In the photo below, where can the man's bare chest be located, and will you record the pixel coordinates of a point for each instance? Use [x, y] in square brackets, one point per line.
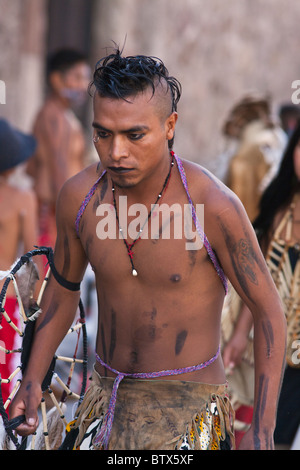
[164, 246]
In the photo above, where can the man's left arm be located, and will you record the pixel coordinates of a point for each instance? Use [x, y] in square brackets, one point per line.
[236, 246]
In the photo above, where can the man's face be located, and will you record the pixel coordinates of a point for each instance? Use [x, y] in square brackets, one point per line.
[131, 137]
[78, 77]
[72, 85]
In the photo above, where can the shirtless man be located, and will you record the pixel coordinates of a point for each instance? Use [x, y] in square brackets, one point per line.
[18, 224]
[159, 303]
[61, 143]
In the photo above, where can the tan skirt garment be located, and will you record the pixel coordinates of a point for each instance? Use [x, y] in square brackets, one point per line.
[156, 415]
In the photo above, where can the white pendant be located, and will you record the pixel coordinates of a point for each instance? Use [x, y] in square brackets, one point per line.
[134, 272]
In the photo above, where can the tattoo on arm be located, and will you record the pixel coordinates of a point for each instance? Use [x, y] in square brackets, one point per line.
[246, 259]
[49, 315]
[243, 258]
[269, 336]
[259, 413]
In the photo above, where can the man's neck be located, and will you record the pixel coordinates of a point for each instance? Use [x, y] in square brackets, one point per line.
[148, 189]
[59, 101]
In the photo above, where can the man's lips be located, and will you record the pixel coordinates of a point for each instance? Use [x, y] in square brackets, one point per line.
[119, 169]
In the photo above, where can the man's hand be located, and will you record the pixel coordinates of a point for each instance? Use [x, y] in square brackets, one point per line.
[253, 440]
[234, 350]
[26, 403]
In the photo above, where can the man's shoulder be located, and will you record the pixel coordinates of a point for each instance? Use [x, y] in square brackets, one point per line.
[19, 193]
[74, 192]
[19, 200]
[205, 188]
[78, 185]
[50, 112]
[47, 108]
[76, 188]
[223, 210]
[203, 182]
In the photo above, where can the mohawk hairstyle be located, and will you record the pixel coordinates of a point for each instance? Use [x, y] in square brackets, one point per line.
[116, 76]
[119, 77]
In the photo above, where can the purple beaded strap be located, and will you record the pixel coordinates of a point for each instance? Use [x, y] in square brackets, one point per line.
[86, 201]
[199, 229]
[103, 435]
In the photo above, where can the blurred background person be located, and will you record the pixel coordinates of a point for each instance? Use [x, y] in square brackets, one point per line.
[61, 147]
[18, 229]
[61, 153]
[289, 115]
[278, 230]
[255, 144]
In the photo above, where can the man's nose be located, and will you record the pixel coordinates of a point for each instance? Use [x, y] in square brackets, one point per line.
[118, 148]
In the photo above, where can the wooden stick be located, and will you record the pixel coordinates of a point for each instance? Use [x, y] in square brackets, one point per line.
[43, 287]
[12, 375]
[67, 390]
[32, 446]
[69, 359]
[21, 307]
[57, 405]
[45, 427]
[75, 328]
[12, 394]
[10, 351]
[11, 323]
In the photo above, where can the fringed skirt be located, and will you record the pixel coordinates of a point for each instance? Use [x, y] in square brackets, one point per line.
[155, 415]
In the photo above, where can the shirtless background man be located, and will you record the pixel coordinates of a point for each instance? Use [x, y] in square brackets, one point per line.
[61, 142]
[167, 316]
[18, 223]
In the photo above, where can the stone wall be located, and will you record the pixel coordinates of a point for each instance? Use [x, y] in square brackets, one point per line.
[218, 49]
[23, 29]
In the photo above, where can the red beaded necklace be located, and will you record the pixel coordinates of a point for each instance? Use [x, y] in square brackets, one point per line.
[129, 246]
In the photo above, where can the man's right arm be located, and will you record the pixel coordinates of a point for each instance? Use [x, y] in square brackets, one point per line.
[58, 306]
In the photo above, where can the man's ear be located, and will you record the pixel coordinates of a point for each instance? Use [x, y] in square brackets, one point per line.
[170, 125]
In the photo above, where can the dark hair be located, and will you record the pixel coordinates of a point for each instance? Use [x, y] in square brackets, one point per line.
[63, 60]
[119, 77]
[281, 190]
[289, 110]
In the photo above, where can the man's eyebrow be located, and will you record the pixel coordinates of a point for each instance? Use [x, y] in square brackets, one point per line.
[134, 129]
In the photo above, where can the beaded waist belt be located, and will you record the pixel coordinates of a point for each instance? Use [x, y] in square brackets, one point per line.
[103, 435]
